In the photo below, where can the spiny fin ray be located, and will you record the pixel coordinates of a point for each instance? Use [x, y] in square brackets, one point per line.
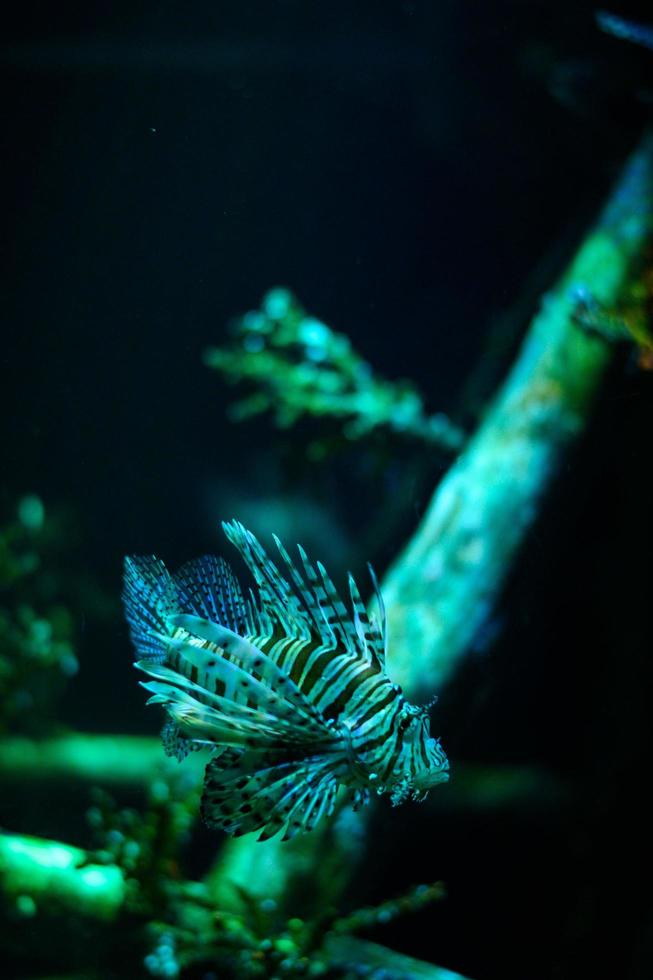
[149, 597]
[270, 795]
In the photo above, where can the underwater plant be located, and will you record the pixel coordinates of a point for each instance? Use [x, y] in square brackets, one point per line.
[299, 367]
[170, 926]
[37, 650]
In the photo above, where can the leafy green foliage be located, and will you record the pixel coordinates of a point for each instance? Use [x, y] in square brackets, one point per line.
[37, 654]
[297, 366]
[172, 924]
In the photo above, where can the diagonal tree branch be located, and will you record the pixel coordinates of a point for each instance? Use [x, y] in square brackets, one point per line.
[442, 587]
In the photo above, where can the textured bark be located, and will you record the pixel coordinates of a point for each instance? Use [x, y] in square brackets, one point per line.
[442, 587]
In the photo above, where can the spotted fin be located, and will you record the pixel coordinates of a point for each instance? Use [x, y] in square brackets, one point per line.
[269, 795]
[175, 745]
[208, 588]
[149, 597]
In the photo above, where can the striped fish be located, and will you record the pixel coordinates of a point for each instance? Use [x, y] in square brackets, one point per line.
[287, 686]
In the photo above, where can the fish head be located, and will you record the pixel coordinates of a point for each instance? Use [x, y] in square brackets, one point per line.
[436, 770]
[426, 759]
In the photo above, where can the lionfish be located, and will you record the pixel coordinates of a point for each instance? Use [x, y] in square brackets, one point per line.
[287, 687]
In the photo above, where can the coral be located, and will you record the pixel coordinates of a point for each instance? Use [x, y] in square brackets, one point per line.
[300, 367]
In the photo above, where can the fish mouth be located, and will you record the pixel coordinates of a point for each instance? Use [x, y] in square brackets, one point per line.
[435, 778]
[443, 774]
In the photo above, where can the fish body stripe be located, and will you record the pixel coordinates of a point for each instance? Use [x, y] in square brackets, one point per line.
[335, 692]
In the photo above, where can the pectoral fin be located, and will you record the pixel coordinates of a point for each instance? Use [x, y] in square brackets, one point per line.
[266, 794]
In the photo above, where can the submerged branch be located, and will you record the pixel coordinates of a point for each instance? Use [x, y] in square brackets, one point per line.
[114, 760]
[442, 588]
[37, 873]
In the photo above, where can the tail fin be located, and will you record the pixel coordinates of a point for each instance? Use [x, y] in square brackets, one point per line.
[149, 597]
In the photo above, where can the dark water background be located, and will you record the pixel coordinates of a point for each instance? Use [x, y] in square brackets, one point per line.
[413, 171]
